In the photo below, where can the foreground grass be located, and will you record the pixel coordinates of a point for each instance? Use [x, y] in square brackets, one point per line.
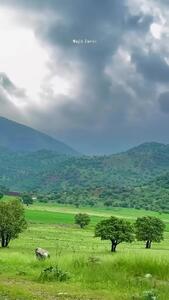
[95, 273]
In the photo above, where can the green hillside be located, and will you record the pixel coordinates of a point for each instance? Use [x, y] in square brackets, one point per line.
[136, 178]
[47, 170]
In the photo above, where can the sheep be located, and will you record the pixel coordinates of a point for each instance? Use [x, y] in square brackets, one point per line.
[41, 253]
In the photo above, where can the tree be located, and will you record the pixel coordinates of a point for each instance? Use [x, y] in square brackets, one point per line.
[1, 195]
[77, 204]
[91, 202]
[27, 199]
[108, 203]
[4, 189]
[149, 229]
[12, 221]
[82, 220]
[116, 230]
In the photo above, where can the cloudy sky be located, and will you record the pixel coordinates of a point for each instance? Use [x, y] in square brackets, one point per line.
[94, 74]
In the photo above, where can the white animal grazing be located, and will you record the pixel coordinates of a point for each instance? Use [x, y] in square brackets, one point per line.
[41, 253]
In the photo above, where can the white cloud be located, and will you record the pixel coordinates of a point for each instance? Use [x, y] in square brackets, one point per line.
[27, 62]
[22, 57]
[156, 30]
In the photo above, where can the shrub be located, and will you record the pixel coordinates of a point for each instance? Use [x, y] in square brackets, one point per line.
[53, 274]
[82, 220]
[149, 295]
[93, 260]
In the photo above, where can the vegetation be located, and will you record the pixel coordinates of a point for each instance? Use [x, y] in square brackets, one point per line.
[149, 229]
[93, 272]
[116, 230]
[12, 221]
[27, 199]
[105, 195]
[137, 178]
[3, 189]
[53, 274]
[82, 220]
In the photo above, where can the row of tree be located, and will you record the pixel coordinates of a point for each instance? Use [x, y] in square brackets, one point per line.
[118, 230]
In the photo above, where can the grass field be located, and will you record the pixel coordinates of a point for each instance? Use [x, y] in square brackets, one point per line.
[94, 272]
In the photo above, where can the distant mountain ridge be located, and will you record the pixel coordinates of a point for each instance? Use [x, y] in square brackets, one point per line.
[46, 170]
[149, 147]
[33, 161]
[18, 137]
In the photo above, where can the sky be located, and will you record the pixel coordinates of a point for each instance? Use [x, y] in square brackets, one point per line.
[91, 73]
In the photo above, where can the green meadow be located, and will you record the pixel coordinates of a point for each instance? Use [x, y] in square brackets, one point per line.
[94, 272]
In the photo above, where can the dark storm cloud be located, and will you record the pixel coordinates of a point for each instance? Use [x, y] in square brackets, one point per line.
[112, 108]
[139, 22]
[8, 93]
[7, 107]
[164, 102]
[89, 19]
[93, 20]
[152, 65]
[8, 86]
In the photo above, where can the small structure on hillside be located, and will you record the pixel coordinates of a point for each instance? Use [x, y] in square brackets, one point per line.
[14, 194]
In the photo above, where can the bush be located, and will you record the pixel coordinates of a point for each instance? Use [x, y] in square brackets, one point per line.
[53, 274]
[149, 295]
[93, 260]
[82, 220]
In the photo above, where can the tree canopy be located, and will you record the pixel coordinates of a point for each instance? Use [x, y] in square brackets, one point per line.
[116, 230]
[149, 229]
[12, 221]
[82, 220]
[27, 199]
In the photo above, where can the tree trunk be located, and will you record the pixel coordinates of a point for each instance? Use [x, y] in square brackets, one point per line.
[148, 244]
[7, 240]
[113, 247]
[3, 241]
[7, 243]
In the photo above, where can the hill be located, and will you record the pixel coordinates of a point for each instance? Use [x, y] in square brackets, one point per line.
[18, 137]
[136, 178]
[46, 170]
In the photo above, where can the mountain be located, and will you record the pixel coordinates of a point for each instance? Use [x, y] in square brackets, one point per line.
[18, 137]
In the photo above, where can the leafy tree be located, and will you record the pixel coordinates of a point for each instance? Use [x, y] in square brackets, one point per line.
[4, 189]
[116, 230]
[82, 220]
[149, 229]
[1, 195]
[12, 221]
[108, 203]
[27, 199]
[91, 203]
[77, 204]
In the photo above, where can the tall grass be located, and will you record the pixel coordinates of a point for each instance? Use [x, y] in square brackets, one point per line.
[95, 273]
